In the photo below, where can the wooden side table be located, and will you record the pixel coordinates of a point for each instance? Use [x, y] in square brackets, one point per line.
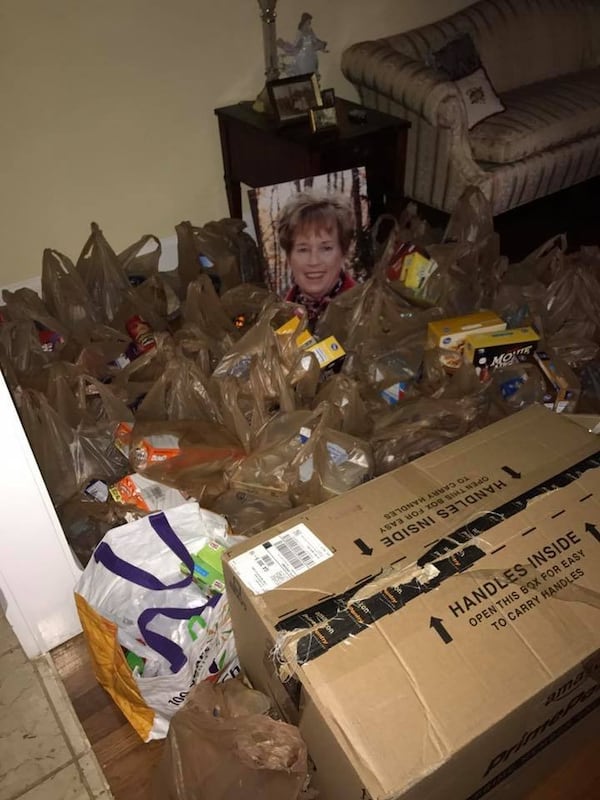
[259, 153]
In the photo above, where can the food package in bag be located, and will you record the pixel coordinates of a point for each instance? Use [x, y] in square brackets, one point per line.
[145, 494]
[328, 463]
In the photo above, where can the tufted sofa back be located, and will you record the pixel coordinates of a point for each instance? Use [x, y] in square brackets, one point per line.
[519, 41]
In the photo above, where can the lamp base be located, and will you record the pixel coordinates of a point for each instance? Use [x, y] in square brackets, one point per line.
[262, 104]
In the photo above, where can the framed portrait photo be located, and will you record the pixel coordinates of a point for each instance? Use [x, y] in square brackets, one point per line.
[269, 203]
[292, 98]
[323, 118]
[328, 97]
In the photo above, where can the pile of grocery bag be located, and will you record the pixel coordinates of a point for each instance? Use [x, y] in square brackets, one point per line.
[173, 412]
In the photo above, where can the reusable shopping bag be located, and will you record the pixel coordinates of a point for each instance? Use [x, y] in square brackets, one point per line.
[139, 610]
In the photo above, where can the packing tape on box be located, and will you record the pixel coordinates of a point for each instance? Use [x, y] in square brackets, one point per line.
[310, 633]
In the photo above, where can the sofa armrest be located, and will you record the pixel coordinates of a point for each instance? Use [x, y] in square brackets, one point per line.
[410, 83]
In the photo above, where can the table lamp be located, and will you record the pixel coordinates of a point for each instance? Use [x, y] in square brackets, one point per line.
[268, 16]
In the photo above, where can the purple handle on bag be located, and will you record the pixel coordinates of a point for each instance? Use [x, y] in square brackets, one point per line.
[105, 555]
[169, 650]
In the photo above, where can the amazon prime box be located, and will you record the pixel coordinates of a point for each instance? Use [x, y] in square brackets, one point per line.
[435, 633]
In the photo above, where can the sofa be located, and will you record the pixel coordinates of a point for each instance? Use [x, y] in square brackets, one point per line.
[543, 60]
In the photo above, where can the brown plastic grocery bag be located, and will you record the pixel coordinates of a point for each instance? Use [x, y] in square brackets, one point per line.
[66, 295]
[102, 274]
[328, 463]
[205, 317]
[21, 346]
[221, 746]
[250, 513]
[244, 303]
[179, 393]
[343, 392]
[207, 250]
[53, 442]
[139, 261]
[25, 305]
[188, 455]
[372, 310]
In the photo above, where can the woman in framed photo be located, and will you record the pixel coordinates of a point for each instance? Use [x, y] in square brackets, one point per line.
[315, 232]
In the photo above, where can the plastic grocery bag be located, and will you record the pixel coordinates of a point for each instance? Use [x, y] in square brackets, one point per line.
[214, 250]
[25, 305]
[102, 273]
[54, 443]
[65, 294]
[187, 455]
[221, 746]
[327, 464]
[137, 607]
[180, 393]
[343, 392]
[140, 260]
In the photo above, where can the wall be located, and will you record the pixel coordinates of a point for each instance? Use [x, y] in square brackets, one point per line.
[108, 108]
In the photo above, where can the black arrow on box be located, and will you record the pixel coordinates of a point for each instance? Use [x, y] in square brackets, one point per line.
[363, 547]
[438, 626]
[593, 530]
[511, 472]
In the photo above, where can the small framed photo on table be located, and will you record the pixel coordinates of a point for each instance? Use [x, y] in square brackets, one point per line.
[323, 118]
[292, 98]
[328, 97]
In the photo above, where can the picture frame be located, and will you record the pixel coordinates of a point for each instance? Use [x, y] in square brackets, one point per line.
[327, 98]
[323, 118]
[292, 98]
[267, 202]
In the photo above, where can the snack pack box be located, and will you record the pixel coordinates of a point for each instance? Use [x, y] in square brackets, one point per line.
[450, 334]
[326, 350]
[487, 351]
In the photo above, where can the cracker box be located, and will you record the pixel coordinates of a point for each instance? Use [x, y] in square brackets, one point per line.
[450, 333]
[435, 633]
[488, 351]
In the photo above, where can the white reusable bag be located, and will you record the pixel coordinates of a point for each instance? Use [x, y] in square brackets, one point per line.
[133, 594]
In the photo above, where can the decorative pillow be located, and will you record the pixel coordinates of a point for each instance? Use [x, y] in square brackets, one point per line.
[479, 97]
[458, 58]
[460, 61]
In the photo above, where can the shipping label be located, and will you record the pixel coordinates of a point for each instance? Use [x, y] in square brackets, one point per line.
[280, 559]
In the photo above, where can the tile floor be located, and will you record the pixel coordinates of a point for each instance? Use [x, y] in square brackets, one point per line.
[44, 752]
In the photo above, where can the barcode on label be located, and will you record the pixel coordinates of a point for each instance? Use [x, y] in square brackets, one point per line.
[265, 562]
[294, 553]
[280, 559]
[320, 354]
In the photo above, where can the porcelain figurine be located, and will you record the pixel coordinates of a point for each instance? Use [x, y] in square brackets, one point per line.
[303, 52]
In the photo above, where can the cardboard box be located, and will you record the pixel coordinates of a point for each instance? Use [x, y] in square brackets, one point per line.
[591, 422]
[487, 351]
[450, 333]
[443, 628]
